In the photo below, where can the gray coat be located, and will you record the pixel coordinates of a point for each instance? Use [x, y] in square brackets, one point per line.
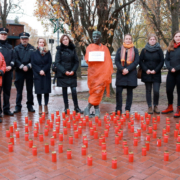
[129, 79]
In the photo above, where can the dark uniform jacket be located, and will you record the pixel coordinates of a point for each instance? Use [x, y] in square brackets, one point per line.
[23, 56]
[8, 53]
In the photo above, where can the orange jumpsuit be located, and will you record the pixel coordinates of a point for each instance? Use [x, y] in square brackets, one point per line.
[99, 74]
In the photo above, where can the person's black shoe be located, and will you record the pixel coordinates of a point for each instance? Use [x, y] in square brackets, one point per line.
[78, 110]
[0, 120]
[17, 110]
[9, 113]
[30, 109]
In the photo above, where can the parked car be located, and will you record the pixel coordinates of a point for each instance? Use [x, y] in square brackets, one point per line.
[83, 63]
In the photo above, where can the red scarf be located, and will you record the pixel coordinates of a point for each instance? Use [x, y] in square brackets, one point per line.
[176, 45]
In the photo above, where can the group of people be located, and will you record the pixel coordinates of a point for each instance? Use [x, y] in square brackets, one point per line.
[33, 65]
[151, 61]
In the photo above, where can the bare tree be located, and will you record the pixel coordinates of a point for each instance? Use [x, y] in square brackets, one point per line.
[8, 6]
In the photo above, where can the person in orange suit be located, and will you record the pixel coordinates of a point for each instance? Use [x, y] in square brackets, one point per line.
[99, 72]
[2, 71]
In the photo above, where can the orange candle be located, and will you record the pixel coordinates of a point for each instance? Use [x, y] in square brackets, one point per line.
[147, 145]
[131, 156]
[26, 136]
[104, 155]
[95, 135]
[30, 143]
[89, 160]
[135, 141]
[52, 141]
[11, 129]
[60, 147]
[7, 133]
[60, 136]
[83, 150]
[144, 151]
[10, 147]
[54, 157]
[17, 133]
[166, 155]
[41, 139]
[70, 139]
[154, 133]
[15, 124]
[159, 142]
[34, 151]
[26, 120]
[69, 154]
[46, 148]
[126, 149]
[178, 147]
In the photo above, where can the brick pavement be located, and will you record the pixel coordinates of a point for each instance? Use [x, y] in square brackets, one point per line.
[21, 164]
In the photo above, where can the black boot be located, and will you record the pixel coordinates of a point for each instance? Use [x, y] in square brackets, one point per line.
[97, 111]
[78, 110]
[30, 109]
[87, 110]
[66, 108]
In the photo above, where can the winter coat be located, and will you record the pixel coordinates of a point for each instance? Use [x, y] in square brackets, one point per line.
[2, 68]
[8, 53]
[172, 59]
[23, 56]
[152, 61]
[66, 60]
[129, 79]
[42, 83]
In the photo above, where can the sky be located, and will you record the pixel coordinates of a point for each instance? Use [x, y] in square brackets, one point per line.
[29, 6]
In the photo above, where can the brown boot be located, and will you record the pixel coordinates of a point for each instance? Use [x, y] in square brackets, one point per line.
[46, 109]
[156, 110]
[40, 109]
[150, 111]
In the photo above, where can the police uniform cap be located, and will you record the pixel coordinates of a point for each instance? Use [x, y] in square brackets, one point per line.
[4, 30]
[24, 35]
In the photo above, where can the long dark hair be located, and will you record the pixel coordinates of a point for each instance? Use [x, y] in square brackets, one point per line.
[171, 44]
[63, 36]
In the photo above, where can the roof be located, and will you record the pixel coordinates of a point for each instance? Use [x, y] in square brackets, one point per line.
[13, 37]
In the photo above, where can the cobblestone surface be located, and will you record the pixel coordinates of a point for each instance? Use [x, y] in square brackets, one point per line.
[21, 164]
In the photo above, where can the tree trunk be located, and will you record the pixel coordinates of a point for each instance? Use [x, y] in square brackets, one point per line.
[174, 16]
[78, 51]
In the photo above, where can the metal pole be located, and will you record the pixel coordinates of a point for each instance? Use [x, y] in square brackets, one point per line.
[57, 32]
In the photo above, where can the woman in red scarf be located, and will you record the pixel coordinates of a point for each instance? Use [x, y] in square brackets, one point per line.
[172, 61]
[127, 58]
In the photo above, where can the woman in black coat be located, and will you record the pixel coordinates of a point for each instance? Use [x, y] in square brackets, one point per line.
[172, 61]
[41, 63]
[151, 62]
[127, 58]
[67, 64]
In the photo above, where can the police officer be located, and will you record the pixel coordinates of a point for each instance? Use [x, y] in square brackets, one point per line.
[8, 53]
[24, 72]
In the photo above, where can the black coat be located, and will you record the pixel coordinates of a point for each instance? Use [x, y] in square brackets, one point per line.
[42, 83]
[23, 56]
[8, 53]
[172, 59]
[66, 60]
[151, 61]
[129, 79]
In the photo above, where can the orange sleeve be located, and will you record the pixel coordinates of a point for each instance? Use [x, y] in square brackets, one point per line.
[3, 67]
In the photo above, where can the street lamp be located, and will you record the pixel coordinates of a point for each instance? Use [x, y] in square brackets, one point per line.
[55, 2]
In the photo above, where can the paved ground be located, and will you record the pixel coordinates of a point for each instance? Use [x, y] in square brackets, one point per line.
[22, 165]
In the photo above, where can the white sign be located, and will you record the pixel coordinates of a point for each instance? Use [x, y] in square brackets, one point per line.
[96, 56]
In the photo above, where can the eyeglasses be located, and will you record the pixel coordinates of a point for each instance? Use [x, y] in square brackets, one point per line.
[4, 34]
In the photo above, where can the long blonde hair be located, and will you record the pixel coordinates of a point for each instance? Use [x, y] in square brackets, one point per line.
[45, 43]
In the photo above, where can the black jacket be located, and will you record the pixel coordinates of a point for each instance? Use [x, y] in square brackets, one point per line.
[129, 79]
[151, 61]
[42, 83]
[8, 53]
[172, 59]
[66, 60]
[23, 56]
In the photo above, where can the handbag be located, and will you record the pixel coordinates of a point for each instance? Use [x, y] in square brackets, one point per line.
[139, 72]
